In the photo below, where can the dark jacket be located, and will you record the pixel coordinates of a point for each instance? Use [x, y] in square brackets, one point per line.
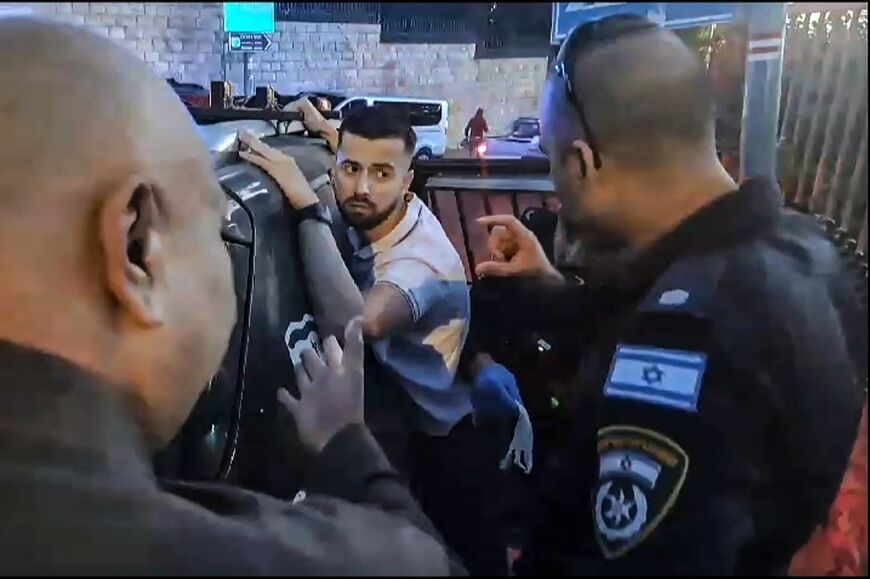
[716, 404]
[77, 496]
[476, 128]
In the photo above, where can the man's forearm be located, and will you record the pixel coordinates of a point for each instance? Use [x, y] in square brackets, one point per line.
[330, 133]
[354, 468]
[334, 295]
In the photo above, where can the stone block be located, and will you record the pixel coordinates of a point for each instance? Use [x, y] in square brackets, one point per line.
[185, 8]
[101, 30]
[210, 23]
[182, 22]
[133, 32]
[188, 58]
[208, 47]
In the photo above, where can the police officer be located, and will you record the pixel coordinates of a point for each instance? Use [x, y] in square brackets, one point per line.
[718, 399]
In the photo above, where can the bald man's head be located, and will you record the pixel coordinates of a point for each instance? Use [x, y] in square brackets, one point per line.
[645, 95]
[110, 244]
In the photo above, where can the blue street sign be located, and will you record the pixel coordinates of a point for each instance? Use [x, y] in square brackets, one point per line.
[249, 17]
[249, 42]
[567, 15]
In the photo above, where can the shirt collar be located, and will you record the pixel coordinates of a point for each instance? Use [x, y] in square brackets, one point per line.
[58, 413]
[413, 214]
[743, 214]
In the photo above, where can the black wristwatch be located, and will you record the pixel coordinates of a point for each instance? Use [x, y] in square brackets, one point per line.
[317, 211]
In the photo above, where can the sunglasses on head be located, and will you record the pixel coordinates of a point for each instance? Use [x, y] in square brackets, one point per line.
[580, 40]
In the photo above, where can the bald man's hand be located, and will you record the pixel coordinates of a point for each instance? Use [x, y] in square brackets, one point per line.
[282, 168]
[515, 250]
[330, 389]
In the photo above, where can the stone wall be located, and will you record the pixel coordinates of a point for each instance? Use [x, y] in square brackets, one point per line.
[185, 41]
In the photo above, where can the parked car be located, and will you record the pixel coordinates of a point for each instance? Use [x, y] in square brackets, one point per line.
[520, 140]
[428, 117]
[191, 94]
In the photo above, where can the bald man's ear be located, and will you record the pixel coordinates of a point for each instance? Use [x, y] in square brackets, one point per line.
[585, 156]
[132, 251]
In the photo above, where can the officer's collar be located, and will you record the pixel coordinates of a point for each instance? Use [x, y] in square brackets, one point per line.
[54, 412]
[403, 228]
[743, 214]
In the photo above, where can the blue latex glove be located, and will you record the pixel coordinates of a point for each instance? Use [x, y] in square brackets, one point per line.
[495, 394]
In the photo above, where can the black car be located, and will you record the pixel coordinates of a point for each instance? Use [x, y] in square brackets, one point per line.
[236, 432]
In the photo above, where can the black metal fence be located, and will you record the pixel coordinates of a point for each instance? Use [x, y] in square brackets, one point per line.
[498, 29]
[336, 12]
[433, 23]
[515, 30]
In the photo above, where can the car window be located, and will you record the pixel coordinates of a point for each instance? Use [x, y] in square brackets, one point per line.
[425, 114]
[526, 130]
[354, 105]
[420, 114]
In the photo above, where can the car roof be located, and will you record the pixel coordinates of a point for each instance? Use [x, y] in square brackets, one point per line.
[398, 99]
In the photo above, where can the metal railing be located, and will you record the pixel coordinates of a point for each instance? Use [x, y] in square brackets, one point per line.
[436, 23]
[334, 12]
[823, 130]
[458, 191]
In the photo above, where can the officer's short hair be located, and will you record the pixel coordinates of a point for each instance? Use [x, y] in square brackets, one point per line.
[379, 123]
[643, 91]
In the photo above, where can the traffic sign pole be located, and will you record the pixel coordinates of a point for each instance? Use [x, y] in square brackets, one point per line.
[248, 25]
[248, 74]
[762, 89]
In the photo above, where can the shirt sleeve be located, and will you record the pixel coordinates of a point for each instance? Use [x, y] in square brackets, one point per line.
[418, 283]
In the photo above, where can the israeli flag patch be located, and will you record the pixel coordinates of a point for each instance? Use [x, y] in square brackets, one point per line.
[656, 376]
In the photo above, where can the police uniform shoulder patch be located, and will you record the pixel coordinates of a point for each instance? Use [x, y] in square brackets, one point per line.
[658, 376]
[687, 287]
[640, 476]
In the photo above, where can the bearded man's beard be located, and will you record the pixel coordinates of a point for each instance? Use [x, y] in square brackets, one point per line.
[369, 221]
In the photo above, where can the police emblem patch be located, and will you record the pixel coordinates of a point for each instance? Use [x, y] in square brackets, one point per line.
[640, 476]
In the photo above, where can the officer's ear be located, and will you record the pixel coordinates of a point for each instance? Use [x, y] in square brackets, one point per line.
[133, 256]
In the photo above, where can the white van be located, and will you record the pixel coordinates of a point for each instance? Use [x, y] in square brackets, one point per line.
[428, 117]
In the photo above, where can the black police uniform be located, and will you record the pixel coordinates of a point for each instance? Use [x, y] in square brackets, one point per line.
[716, 408]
